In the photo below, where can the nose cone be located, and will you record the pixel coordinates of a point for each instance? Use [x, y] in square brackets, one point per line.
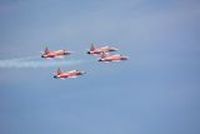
[83, 72]
[42, 56]
[124, 58]
[88, 52]
[67, 53]
[113, 49]
[55, 77]
[100, 60]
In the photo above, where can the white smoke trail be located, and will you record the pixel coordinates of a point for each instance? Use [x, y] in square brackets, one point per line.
[36, 62]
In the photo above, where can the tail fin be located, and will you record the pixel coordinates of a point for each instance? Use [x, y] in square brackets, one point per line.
[92, 47]
[46, 50]
[59, 71]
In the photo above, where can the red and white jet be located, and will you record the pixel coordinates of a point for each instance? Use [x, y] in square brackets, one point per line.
[97, 51]
[112, 58]
[47, 54]
[69, 74]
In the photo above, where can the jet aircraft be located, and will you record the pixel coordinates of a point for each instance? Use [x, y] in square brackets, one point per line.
[97, 51]
[107, 58]
[68, 74]
[49, 54]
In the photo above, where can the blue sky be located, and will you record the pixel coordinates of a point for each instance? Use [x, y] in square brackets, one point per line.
[155, 92]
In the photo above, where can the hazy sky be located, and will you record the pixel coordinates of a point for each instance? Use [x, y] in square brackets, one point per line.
[157, 91]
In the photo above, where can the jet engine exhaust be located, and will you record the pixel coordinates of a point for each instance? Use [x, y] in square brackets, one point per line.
[36, 62]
